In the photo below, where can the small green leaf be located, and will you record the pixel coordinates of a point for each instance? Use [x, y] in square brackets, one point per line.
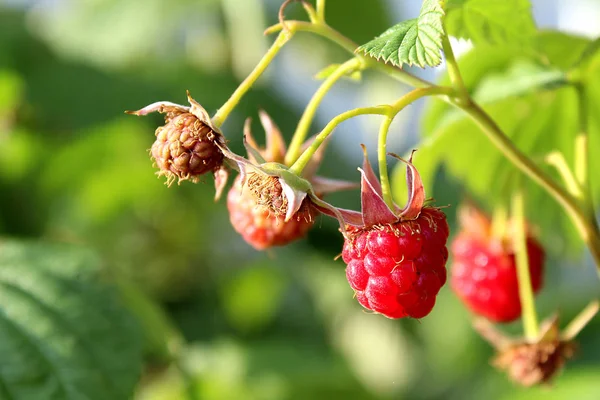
[414, 42]
[491, 21]
[522, 77]
[355, 76]
[588, 54]
[63, 334]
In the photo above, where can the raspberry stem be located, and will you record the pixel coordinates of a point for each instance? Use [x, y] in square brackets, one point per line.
[582, 141]
[305, 157]
[219, 118]
[558, 161]
[580, 321]
[454, 71]
[530, 320]
[311, 109]
[499, 221]
[321, 10]
[382, 159]
[395, 108]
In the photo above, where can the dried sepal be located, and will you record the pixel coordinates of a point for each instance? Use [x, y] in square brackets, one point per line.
[374, 209]
[537, 361]
[416, 191]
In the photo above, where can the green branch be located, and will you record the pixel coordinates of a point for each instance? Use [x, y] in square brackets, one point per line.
[219, 118]
[453, 71]
[303, 160]
[382, 159]
[321, 10]
[530, 320]
[311, 109]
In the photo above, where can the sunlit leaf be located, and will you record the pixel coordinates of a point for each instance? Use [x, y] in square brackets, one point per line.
[414, 42]
[491, 21]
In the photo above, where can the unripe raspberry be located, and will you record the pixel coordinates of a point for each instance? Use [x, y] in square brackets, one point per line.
[261, 228]
[185, 148]
[484, 272]
[267, 193]
[269, 205]
[188, 145]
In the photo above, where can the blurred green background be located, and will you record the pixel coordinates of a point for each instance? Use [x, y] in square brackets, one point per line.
[275, 325]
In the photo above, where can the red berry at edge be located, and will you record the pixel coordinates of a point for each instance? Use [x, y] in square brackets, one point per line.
[398, 269]
[484, 274]
[261, 228]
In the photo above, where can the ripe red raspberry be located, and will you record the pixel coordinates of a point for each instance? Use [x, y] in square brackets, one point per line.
[261, 228]
[395, 258]
[484, 274]
[397, 270]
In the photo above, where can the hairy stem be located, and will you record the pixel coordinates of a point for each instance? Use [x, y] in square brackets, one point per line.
[582, 139]
[396, 107]
[321, 10]
[530, 321]
[557, 160]
[219, 118]
[580, 321]
[382, 159]
[453, 70]
[336, 37]
[305, 157]
[499, 221]
[582, 156]
[311, 109]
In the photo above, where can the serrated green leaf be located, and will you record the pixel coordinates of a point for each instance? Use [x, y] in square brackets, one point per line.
[63, 334]
[414, 42]
[355, 75]
[491, 21]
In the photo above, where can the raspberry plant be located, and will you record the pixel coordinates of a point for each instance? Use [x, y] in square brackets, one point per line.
[517, 108]
[396, 257]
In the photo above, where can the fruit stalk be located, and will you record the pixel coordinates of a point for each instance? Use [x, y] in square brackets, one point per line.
[311, 109]
[221, 115]
[395, 108]
[321, 10]
[530, 321]
[382, 160]
[453, 70]
[305, 157]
